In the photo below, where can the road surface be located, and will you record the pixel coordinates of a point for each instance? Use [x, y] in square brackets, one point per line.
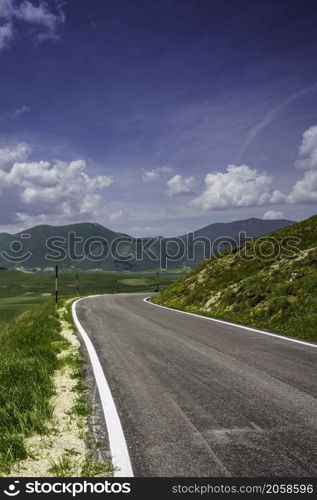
[200, 398]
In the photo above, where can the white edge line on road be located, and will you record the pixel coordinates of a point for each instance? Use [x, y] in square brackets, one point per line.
[281, 337]
[118, 445]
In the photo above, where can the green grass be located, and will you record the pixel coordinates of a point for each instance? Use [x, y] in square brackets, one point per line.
[12, 306]
[77, 364]
[89, 467]
[30, 344]
[137, 281]
[92, 468]
[20, 291]
[277, 294]
[62, 467]
[29, 348]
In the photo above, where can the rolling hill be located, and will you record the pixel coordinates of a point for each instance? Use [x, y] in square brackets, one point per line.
[3, 236]
[269, 282]
[82, 253]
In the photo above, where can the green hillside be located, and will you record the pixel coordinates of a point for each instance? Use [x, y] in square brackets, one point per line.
[269, 282]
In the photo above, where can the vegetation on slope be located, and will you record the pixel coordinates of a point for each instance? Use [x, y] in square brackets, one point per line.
[269, 282]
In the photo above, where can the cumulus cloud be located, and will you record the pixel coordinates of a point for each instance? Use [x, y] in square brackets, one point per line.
[47, 18]
[238, 186]
[155, 174]
[60, 183]
[9, 155]
[304, 190]
[46, 187]
[38, 14]
[180, 185]
[273, 214]
[308, 150]
[241, 186]
[150, 176]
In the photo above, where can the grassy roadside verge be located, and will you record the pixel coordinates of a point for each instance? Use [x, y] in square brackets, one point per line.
[43, 408]
[29, 348]
[261, 285]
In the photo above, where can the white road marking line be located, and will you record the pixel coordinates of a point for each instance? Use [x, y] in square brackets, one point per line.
[281, 337]
[118, 445]
[255, 426]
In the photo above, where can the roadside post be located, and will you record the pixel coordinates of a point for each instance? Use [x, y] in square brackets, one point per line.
[56, 286]
[158, 281]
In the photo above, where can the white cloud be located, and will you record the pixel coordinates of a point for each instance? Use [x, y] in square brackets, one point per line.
[239, 186]
[305, 189]
[308, 150]
[115, 215]
[9, 155]
[6, 35]
[16, 113]
[31, 220]
[21, 111]
[6, 7]
[273, 214]
[150, 176]
[180, 185]
[155, 173]
[46, 187]
[39, 14]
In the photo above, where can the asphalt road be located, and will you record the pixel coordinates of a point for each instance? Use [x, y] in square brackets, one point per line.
[200, 398]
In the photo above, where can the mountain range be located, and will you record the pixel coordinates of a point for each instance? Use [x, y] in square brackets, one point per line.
[90, 246]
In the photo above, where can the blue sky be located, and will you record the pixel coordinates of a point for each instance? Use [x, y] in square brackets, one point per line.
[157, 117]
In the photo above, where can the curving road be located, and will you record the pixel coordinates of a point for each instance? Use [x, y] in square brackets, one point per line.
[201, 398]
